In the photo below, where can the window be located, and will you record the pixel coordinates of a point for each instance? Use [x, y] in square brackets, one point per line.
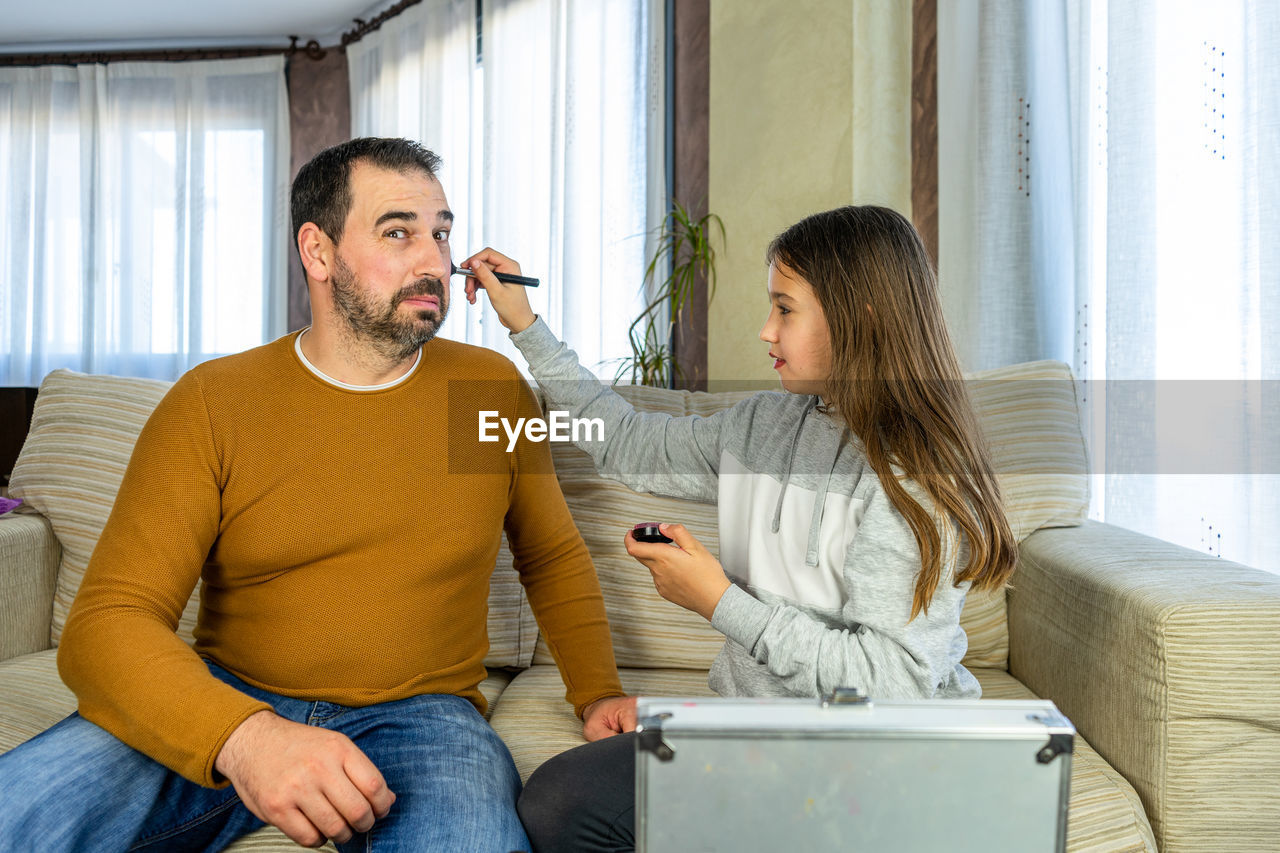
[552, 140]
[1108, 195]
[139, 230]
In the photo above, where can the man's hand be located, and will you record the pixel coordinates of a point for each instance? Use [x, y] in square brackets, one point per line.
[311, 783]
[687, 575]
[610, 716]
[510, 301]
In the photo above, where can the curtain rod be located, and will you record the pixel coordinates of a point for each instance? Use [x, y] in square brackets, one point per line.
[363, 28]
[312, 50]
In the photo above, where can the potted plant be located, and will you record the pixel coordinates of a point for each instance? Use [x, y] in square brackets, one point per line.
[684, 252]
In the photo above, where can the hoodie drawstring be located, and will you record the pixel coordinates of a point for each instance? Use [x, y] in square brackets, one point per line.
[820, 505]
[791, 461]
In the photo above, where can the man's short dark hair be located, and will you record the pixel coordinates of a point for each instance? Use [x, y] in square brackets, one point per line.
[322, 190]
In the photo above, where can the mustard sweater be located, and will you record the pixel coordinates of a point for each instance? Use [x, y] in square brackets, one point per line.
[345, 541]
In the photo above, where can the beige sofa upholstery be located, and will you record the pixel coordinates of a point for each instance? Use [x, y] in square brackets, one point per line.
[1164, 659]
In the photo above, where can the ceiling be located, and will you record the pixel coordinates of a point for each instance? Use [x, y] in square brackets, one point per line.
[68, 25]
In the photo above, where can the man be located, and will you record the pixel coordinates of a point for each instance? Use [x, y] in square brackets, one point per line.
[345, 548]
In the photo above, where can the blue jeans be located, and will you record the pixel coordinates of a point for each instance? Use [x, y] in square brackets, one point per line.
[77, 788]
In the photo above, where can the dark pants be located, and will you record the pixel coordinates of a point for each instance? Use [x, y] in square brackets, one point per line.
[584, 800]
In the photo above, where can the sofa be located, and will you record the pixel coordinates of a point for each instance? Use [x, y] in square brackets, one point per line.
[1164, 659]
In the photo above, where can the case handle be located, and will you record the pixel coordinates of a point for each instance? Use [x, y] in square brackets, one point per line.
[846, 696]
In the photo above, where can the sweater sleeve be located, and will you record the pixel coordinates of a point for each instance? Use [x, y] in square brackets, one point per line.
[557, 573]
[880, 652]
[647, 451]
[120, 654]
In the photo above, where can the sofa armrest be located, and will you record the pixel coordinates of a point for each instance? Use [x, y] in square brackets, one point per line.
[29, 556]
[1167, 661]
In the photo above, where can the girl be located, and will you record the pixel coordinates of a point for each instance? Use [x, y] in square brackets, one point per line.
[856, 510]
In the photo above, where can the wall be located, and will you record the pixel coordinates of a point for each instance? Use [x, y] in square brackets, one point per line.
[810, 108]
[319, 116]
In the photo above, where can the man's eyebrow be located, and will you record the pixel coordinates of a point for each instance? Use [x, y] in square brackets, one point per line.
[410, 216]
[406, 215]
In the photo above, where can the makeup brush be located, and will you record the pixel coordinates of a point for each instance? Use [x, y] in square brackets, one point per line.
[507, 278]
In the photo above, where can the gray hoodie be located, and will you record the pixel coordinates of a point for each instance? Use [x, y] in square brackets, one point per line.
[823, 567]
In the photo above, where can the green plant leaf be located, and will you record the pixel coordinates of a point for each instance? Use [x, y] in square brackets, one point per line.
[684, 247]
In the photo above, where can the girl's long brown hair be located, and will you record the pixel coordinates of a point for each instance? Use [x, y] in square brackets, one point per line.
[896, 382]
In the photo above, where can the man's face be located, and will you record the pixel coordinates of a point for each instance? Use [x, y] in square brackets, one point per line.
[391, 276]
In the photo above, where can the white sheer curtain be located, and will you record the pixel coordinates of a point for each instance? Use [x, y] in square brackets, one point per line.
[142, 222]
[416, 77]
[552, 145]
[1007, 269]
[1110, 196]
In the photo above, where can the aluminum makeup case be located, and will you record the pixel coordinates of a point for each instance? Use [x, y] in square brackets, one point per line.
[845, 773]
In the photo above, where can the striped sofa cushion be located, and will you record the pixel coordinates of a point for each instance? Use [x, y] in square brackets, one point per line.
[82, 434]
[1031, 421]
[32, 697]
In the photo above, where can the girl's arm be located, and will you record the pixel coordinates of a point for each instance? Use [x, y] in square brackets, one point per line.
[649, 452]
[880, 652]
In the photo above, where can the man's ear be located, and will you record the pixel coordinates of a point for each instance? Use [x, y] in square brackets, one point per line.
[316, 250]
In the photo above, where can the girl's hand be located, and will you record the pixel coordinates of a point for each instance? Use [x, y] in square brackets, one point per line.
[510, 301]
[687, 574]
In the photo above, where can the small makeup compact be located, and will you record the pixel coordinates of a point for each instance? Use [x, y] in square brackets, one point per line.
[649, 532]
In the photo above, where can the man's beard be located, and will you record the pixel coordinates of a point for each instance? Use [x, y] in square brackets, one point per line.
[381, 326]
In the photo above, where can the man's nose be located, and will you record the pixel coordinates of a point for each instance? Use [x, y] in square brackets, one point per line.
[433, 261]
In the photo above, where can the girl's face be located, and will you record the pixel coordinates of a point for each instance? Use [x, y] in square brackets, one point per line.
[796, 332]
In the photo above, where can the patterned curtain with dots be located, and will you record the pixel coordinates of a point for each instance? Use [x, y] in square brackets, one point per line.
[1109, 188]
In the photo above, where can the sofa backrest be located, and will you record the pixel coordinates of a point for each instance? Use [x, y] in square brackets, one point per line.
[84, 428]
[1029, 417]
[82, 433]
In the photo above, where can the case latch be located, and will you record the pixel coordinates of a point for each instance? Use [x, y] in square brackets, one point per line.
[649, 737]
[1058, 744]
